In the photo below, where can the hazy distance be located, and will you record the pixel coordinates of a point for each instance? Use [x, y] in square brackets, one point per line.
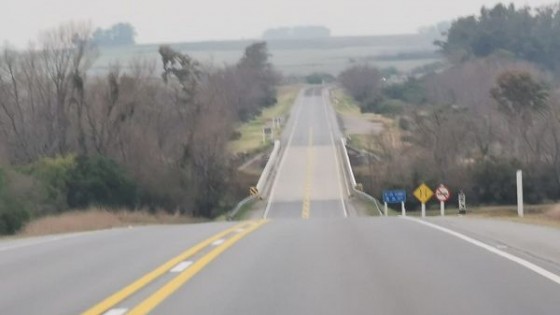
[159, 21]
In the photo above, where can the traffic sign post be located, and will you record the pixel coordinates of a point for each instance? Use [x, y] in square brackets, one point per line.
[253, 191]
[423, 193]
[394, 196]
[442, 194]
[462, 203]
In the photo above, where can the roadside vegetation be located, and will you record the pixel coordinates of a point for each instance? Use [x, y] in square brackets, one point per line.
[99, 218]
[248, 136]
[141, 136]
[494, 108]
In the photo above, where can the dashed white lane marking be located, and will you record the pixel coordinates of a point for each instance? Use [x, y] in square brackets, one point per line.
[181, 266]
[541, 271]
[116, 311]
[239, 230]
[218, 242]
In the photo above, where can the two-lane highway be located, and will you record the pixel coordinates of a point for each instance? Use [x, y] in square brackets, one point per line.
[307, 257]
[309, 180]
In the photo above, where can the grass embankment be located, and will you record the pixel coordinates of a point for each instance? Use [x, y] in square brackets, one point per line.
[98, 219]
[251, 139]
[547, 214]
[358, 126]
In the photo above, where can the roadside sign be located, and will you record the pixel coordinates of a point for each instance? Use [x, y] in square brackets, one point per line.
[394, 196]
[423, 193]
[253, 191]
[442, 193]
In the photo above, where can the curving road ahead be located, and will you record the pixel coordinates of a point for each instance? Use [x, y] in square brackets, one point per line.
[305, 258]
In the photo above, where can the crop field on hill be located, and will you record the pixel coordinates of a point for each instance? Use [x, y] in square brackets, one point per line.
[293, 57]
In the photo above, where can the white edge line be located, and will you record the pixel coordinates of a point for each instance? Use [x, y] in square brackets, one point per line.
[38, 240]
[541, 271]
[337, 161]
[116, 311]
[181, 266]
[284, 154]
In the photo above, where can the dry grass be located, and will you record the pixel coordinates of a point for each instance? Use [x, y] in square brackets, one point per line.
[548, 215]
[346, 106]
[97, 219]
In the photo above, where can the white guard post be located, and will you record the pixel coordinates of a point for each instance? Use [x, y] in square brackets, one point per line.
[520, 210]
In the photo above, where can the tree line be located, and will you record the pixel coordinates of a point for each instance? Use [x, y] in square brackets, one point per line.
[528, 33]
[470, 125]
[141, 136]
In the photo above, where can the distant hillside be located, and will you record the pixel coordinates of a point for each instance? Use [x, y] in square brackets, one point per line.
[297, 56]
[335, 42]
[298, 32]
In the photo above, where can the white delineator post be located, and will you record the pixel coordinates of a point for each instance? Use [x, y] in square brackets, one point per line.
[520, 193]
[423, 210]
[403, 210]
[442, 208]
[385, 209]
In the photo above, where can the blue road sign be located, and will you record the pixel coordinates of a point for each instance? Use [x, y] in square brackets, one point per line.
[394, 196]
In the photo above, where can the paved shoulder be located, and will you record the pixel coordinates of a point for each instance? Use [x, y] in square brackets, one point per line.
[539, 244]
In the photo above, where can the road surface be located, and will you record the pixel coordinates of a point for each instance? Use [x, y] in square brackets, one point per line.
[310, 178]
[319, 262]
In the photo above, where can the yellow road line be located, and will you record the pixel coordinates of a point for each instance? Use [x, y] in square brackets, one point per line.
[156, 273]
[306, 207]
[173, 285]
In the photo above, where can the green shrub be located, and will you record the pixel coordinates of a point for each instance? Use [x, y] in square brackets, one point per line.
[319, 78]
[391, 107]
[13, 211]
[53, 175]
[99, 180]
[410, 91]
[494, 181]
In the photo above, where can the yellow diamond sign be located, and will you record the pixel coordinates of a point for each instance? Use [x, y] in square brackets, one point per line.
[423, 193]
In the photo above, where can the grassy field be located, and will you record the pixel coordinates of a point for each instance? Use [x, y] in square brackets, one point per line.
[350, 112]
[251, 132]
[545, 214]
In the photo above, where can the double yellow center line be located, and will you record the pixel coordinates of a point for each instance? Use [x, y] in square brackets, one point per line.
[306, 207]
[237, 233]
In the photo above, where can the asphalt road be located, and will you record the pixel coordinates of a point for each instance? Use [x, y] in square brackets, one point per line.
[310, 181]
[325, 264]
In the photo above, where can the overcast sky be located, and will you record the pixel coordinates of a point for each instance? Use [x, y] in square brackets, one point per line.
[159, 21]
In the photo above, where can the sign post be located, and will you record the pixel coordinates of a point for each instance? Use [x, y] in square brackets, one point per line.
[385, 209]
[462, 203]
[403, 210]
[423, 193]
[394, 196]
[520, 210]
[442, 194]
[267, 134]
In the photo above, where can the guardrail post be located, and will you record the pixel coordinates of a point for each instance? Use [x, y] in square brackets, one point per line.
[385, 210]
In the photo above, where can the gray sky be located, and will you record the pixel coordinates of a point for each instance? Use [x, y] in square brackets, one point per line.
[187, 20]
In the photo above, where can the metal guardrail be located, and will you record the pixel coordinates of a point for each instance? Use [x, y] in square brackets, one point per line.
[239, 206]
[263, 179]
[262, 183]
[350, 173]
